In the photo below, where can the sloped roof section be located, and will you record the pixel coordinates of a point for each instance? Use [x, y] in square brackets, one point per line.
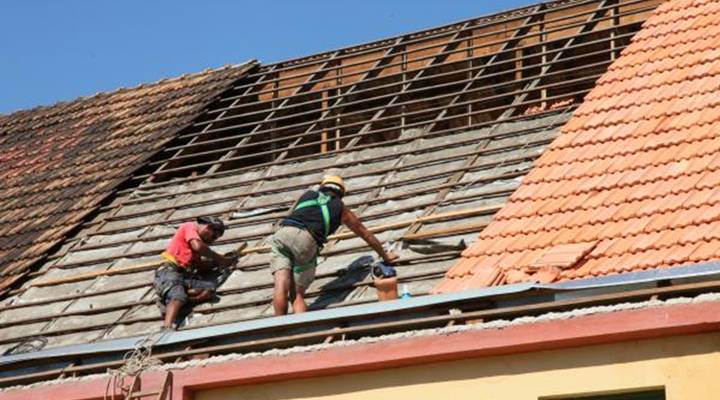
[633, 180]
[432, 131]
[60, 162]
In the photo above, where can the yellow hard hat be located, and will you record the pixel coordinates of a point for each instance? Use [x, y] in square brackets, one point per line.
[333, 181]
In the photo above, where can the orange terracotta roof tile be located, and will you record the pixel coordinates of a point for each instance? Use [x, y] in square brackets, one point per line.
[516, 276]
[563, 255]
[546, 275]
[462, 267]
[635, 172]
[482, 277]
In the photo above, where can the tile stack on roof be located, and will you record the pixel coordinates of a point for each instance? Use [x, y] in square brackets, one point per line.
[60, 162]
[633, 180]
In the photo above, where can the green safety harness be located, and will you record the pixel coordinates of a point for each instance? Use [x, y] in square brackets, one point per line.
[321, 201]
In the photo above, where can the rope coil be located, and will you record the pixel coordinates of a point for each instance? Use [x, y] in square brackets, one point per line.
[135, 362]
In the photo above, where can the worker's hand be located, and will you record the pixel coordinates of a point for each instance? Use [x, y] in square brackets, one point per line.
[390, 257]
[229, 260]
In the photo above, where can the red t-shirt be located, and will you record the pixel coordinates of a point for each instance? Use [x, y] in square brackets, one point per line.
[179, 246]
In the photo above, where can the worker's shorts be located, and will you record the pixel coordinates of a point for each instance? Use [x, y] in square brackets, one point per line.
[171, 283]
[294, 248]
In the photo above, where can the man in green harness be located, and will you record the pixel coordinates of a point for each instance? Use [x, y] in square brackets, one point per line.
[296, 244]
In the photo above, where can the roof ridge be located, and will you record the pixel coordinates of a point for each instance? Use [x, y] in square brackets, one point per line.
[492, 17]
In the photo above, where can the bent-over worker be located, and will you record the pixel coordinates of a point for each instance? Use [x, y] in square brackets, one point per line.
[189, 249]
[297, 243]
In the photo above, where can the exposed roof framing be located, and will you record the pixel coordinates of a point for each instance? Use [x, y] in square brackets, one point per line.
[460, 77]
[432, 131]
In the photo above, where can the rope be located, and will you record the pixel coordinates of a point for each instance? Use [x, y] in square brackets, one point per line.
[29, 345]
[135, 362]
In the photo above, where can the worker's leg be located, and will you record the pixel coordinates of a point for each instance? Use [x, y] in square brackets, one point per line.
[199, 290]
[283, 291]
[196, 296]
[292, 247]
[171, 312]
[280, 267]
[303, 276]
[299, 305]
[171, 292]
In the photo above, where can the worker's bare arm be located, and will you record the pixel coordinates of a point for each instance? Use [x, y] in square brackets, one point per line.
[352, 221]
[199, 247]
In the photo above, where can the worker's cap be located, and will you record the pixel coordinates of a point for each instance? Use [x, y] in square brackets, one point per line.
[333, 182]
[214, 222]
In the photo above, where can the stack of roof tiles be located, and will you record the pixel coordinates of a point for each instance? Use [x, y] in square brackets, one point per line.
[633, 180]
[60, 162]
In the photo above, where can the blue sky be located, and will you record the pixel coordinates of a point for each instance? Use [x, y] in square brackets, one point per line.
[59, 50]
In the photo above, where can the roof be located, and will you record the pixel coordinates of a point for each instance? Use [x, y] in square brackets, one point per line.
[60, 162]
[632, 180]
[431, 130]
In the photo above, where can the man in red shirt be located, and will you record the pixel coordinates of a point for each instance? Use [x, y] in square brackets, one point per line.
[188, 249]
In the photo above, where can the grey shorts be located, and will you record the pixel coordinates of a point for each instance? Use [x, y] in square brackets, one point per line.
[171, 283]
[294, 248]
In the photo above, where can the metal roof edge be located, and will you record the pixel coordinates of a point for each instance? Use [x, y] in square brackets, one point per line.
[372, 309]
[651, 275]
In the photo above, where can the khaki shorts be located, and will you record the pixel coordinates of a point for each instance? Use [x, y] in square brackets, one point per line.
[294, 248]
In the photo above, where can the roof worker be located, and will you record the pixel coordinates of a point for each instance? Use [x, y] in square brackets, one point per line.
[188, 250]
[301, 236]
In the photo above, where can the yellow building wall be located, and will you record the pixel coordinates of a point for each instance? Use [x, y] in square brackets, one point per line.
[687, 366]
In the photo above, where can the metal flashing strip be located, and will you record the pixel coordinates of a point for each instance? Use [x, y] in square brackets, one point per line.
[373, 309]
[631, 278]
